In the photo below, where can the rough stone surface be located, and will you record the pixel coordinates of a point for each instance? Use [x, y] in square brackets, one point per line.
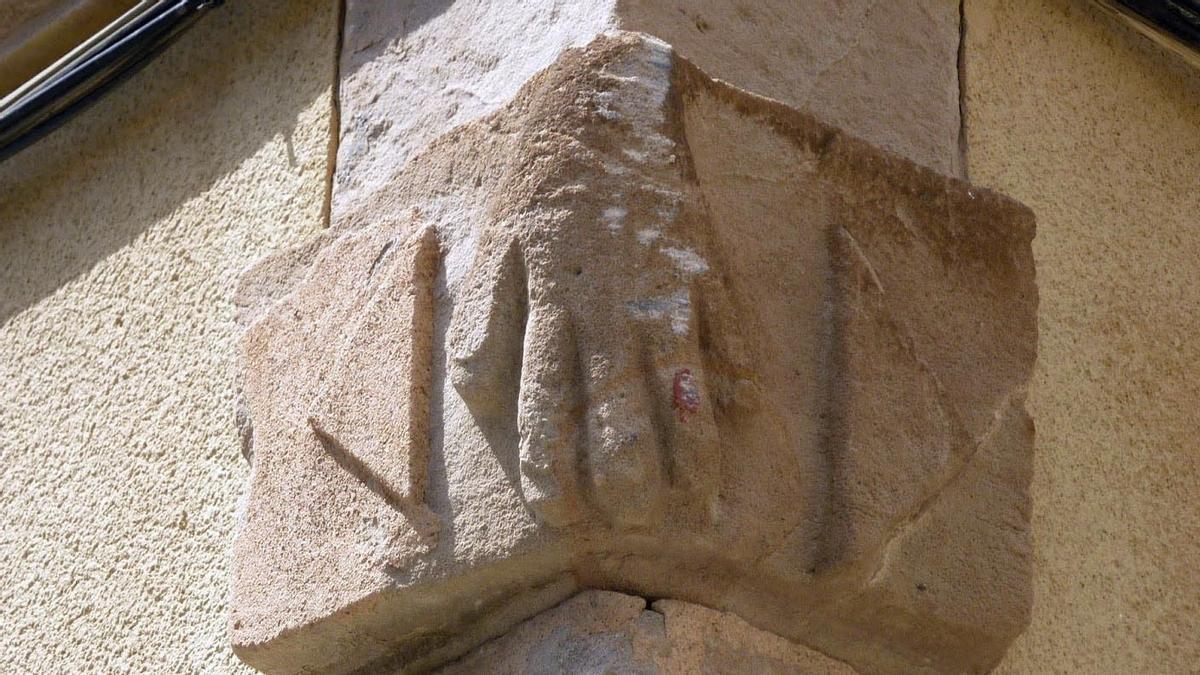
[1105, 147]
[121, 239]
[884, 71]
[411, 71]
[607, 632]
[679, 339]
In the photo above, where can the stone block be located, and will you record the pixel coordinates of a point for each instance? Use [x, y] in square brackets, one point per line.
[640, 329]
[411, 71]
[607, 632]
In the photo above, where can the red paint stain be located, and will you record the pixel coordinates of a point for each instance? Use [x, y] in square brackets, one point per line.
[687, 394]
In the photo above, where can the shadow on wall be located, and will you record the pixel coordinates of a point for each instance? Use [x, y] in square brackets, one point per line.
[167, 136]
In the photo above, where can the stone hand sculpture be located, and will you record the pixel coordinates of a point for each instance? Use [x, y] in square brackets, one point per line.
[641, 330]
[602, 304]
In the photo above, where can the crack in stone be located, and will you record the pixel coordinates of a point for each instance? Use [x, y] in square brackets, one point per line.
[335, 115]
[961, 69]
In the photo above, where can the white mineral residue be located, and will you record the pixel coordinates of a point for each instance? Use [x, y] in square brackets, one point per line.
[647, 237]
[686, 260]
[677, 308]
[613, 216]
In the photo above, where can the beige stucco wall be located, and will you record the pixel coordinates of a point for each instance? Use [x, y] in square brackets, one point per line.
[122, 235]
[120, 241]
[1099, 132]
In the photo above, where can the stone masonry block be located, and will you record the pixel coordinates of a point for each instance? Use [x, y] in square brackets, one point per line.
[641, 330]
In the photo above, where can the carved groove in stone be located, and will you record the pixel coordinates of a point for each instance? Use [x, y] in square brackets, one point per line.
[384, 435]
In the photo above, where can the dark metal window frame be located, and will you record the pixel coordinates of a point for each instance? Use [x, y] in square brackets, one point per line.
[70, 86]
[1174, 24]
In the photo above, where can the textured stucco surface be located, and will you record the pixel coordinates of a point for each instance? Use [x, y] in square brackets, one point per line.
[1099, 132]
[121, 237]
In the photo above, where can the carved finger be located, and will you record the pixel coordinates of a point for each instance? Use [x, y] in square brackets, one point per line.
[487, 330]
[686, 406]
[548, 418]
[725, 350]
[624, 450]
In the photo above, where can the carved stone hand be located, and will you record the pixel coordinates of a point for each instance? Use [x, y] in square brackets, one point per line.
[642, 330]
[599, 298]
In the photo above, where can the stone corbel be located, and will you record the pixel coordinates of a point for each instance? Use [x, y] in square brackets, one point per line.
[642, 331]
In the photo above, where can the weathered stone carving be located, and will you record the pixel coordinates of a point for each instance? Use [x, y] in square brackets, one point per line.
[607, 632]
[641, 330]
